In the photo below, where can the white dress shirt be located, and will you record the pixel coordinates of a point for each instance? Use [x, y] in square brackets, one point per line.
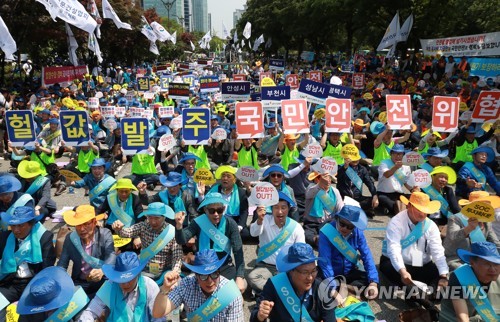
[269, 230]
[391, 184]
[430, 245]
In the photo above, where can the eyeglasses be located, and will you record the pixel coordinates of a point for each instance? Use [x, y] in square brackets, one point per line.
[213, 276]
[305, 274]
[212, 211]
[345, 225]
[276, 175]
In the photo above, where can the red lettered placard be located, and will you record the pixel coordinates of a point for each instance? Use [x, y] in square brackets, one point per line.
[358, 80]
[294, 114]
[239, 78]
[249, 120]
[292, 80]
[445, 113]
[316, 75]
[338, 115]
[399, 112]
[487, 107]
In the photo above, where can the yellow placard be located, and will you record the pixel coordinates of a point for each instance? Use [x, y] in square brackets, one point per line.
[11, 314]
[482, 211]
[266, 81]
[382, 117]
[205, 176]
[319, 113]
[350, 151]
[120, 241]
[69, 175]
[368, 96]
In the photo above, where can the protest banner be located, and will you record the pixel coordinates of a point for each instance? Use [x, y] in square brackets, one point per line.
[204, 176]
[238, 91]
[239, 77]
[313, 150]
[272, 96]
[247, 174]
[399, 114]
[120, 111]
[136, 111]
[420, 178]
[315, 76]
[487, 107]
[313, 92]
[178, 90]
[165, 111]
[120, 241]
[480, 210]
[62, 75]
[219, 133]
[249, 119]
[167, 142]
[339, 91]
[107, 111]
[413, 159]
[135, 135]
[149, 95]
[189, 79]
[164, 81]
[292, 80]
[196, 126]
[358, 81]
[20, 127]
[176, 123]
[338, 115]
[277, 64]
[445, 113]
[264, 75]
[143, 84]
[326, 165]
[267, 82]
[148, 114]
[263, 194]
[294, 116]
[209, 84]
[74, 127]
[349, 151]
[93, 103]
[484, 68]
[485, 44]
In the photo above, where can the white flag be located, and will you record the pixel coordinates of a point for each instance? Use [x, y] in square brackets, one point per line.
[404, 32]
[391, 51]
[235, 37]
[258, 42]
[78, 16]
[109, 13]
[269, 43]
[242, 43]
[94, 12]
[391, 34]
[192, 45]
[153, 48]
[147, 31]
[72, 45]
[94, 46]
[205, 41]
[160, 32]
[51, 7]
[225, 33]
[247, 32]
[7, 43]
[173, 38]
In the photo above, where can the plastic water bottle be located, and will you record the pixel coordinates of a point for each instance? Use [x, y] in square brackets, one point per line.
[71, 190]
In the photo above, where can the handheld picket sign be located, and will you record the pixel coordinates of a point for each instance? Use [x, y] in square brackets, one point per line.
[263, 194]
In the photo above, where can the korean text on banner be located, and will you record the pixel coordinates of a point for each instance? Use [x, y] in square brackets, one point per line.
[74, 127]
[239, 91]
[272, 96]
[292, 80]
[399, 114]
[196, 126]
[295, 117]
[316, 76]
[62, 75]
[239, 77]
[487, 107]
[20, 127]
[209, 84]
[339, 91]
[135, 135]
[249, 120]
[313, 92]
[445, 113]
[338, 115]
[277, 64]
[178, 90]
[471, 45]
[143, 84]
[358, 81]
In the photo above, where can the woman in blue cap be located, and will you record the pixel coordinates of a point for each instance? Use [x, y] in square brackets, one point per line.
[474, 287]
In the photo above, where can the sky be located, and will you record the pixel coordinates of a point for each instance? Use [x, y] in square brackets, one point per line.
[222, 11]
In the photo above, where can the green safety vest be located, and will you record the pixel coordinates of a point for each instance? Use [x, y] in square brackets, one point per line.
[84, 159]
[143, 164]
[248, 157]
[202, 154]
[334, 152]
[169, 102]
[381, 153]
[424, 150]
[288, 157]
[463, 152]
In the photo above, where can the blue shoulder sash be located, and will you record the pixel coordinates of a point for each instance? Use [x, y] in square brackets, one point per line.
[274, 245]
[289, 299]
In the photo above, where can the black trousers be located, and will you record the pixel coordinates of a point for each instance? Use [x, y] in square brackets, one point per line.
[388, 201]
[428, 273]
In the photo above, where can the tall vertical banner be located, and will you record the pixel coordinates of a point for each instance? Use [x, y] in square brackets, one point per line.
[358, 81]
[338, 115]
[295, 116]
[135, 135]
[20, 127]
[74, 127]
[399, 115]
[196, 126]
[445, 113]
[487, 107]
[249, 118]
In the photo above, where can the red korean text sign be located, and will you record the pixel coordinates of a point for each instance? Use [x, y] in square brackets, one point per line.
[316, 75]
[239, 77]
[358, 81]
[249, 120]
[487, 107]
[338, 115]
[445, 113]
[295, 118]
[292, 80]
[399, 115]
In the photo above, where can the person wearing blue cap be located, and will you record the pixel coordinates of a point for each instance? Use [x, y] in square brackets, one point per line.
[201, 151]
[392, 178]
[126, 296]
[384, 142]
[339, 243]
[85, 155]
[434, 158]
[466, 141]
[159, 248]
[207, 295]
[480, 273]
[275, 230]
[11, 195]
[474, 175]
[25, 250]
[293, 294]
[276, 175]
[97, 181]
[215, 231]
[187, 169]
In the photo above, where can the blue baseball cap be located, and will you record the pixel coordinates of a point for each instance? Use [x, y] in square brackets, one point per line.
[396, 148]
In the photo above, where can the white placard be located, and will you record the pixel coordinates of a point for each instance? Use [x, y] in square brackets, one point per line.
[120, 111]
[247, 174]
[413, 159]
[263, 194]
[326, 165]
[165, 111]
[420, 178]
[93, 102]
[176, 123]
[167, 142]
[313, 150]
[219, 134]
[110, 124]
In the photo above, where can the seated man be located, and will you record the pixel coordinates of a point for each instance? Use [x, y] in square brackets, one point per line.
[296, 283]
[276, 175]
[127, 296]
[439, 190]
[474, 175]
[207, 296]
[88, 247]
[462, 231]
[11, 196]
[121, 204]
[434, 158]
[37, 185]
[215, 231]
[24, 251]
[187, 168]
[322, 199]
[481, 272]
[392, 177]
[274, 232]
[97, 181]
[339, 244]
[412, 249]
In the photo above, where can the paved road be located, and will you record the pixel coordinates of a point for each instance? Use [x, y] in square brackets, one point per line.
[383, 309]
